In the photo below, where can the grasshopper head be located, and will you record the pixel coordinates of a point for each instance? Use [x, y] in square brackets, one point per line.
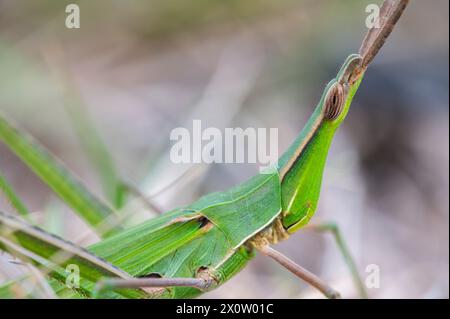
[303, 163]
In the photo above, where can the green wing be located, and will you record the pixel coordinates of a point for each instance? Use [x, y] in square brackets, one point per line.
[137, 249]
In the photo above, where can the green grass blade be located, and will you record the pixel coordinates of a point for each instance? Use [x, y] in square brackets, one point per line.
[96, 150]
[58, 178]
[13, 198]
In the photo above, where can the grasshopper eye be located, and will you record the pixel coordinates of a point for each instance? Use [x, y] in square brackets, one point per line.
[334, 102]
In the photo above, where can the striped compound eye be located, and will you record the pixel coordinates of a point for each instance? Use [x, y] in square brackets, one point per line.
[334, 102]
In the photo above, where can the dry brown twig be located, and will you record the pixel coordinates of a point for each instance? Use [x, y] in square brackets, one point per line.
[390, 12]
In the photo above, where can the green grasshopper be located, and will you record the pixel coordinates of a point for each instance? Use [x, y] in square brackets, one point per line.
[190, 250]
[204, 244]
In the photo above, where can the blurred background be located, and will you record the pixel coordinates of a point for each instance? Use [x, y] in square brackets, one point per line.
[142, 69]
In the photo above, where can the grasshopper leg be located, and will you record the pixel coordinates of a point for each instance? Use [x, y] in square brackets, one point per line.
[202, 283]
[343, 248]
[300, 272]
